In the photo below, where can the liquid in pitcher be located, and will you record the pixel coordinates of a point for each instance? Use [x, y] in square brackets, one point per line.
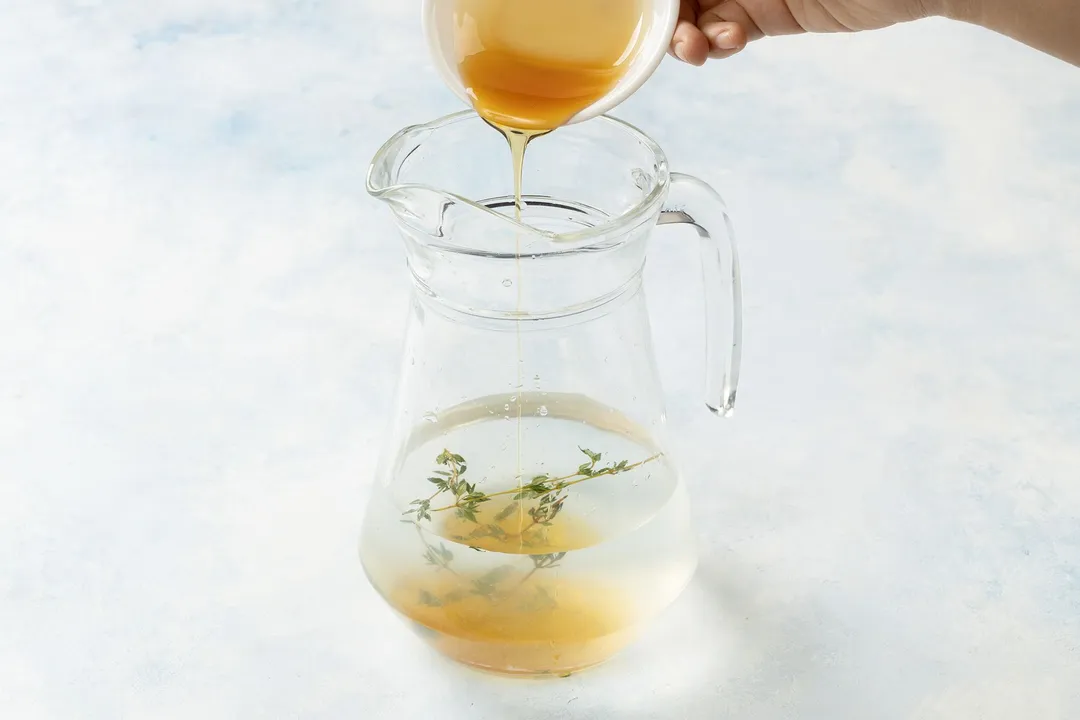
[545, 574]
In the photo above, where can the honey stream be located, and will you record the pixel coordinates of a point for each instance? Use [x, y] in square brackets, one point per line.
[529, 66]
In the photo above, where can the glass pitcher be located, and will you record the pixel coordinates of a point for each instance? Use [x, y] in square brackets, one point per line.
[527, 516]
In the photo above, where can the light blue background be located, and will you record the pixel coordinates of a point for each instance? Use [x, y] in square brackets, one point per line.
[199, 318]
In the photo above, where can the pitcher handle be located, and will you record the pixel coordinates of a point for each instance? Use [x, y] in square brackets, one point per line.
[696, 203]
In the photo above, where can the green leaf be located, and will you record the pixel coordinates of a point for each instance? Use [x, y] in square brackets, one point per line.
[507, 511]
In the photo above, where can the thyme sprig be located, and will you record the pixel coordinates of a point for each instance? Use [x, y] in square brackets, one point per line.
[550, 491]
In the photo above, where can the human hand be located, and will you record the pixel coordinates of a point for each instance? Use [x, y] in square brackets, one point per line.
[721, 28]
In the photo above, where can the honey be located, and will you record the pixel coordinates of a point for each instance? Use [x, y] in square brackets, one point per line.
[534, 64]
[517, 619]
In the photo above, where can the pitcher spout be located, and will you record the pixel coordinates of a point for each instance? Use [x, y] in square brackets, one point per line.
[415, 204]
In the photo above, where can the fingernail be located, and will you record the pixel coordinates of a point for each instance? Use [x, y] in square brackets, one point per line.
[724, 40]
[679, 50]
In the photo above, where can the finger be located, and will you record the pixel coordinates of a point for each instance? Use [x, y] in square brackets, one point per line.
[725, 38]
[688, 43]
[728, 27]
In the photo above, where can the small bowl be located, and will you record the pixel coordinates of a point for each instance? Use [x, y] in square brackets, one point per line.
[661, 17]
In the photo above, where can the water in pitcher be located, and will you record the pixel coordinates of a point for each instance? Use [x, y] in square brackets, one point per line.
[542, 573]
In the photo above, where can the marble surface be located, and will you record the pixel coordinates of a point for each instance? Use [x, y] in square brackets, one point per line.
[200, 312]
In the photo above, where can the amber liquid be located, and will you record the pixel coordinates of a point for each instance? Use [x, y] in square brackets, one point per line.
[540, 622]
[529, 66]
[534, 64]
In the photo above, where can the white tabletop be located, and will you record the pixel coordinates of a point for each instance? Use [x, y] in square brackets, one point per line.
[200, 312]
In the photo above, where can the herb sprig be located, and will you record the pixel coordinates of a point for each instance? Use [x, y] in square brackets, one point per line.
[550, 491]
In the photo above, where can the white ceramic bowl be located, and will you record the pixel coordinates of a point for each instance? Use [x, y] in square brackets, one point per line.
[660, 19]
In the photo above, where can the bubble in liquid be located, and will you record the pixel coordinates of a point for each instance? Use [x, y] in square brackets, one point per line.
[507, 282]
[543, 411]
[513, 398]
[431, 417]
[506, 407]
